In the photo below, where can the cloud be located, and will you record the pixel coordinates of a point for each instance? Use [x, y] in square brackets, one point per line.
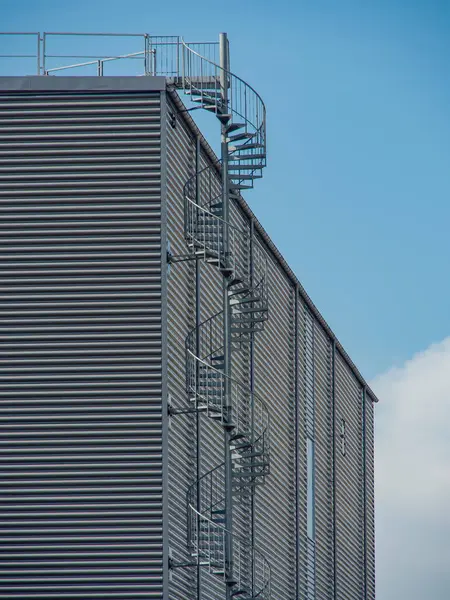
[412, 470]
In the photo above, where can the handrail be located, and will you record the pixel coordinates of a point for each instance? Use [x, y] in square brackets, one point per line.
[244, 101]
[239, 419]
[100, 61]
[260, 562]
[185, 44]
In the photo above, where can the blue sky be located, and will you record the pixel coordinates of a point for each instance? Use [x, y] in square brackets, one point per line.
[356, 197]
[356, 191]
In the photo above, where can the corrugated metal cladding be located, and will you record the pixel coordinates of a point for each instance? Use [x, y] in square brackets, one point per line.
[349, 484]
[315, 423]
[301, 378]
[323, 427]
[81, 379]
[180, 320]
[275, 382]
[369, 500]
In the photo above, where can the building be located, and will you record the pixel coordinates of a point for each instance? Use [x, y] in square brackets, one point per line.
[178, 420]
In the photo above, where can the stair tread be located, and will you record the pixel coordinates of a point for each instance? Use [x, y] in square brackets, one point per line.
[244, 176]
[235, 126]
[240, 147]
[241, 136]
[256, 156]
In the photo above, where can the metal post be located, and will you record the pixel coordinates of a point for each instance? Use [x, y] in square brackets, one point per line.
[197, 365]
[224, 67]
[146, 45]
[44, 72]
[99, 68]
[183, 59]
[38, 53]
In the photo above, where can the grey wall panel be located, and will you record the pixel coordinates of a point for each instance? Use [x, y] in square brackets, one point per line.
[323, 463]
[370, 493]
[302, 571]
[181, 318]
[81, 375]
[349, 485]
[309, 377]
[275, 369]
[274, 381]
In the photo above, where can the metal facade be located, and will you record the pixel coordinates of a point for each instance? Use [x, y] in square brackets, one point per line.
[93, 494]
[81, 376]
[310, 387]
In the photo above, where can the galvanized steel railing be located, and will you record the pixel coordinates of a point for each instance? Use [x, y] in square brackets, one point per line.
[205, 79]
[207, 538]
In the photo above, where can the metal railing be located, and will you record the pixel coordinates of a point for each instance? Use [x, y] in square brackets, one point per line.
[206, 389]
[66, 53]
[207, 537]
[204, 78]
[213, 239]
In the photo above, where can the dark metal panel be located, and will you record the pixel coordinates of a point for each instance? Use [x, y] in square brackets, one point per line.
[181, 318]
[164, 345]
[323, 466]
[370, 493]
[274, 371]
[274, 381]
[181, 294]
[349, 484]
[302, 544]
[81, 378]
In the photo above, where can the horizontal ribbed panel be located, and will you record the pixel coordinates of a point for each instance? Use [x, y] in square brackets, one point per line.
[275, 366]
[323, 464]
[349, 485]
[80, 376]
[274, 382]
[181, 318]
[370, 508]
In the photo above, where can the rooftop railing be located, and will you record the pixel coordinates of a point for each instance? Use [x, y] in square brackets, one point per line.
[60, 53]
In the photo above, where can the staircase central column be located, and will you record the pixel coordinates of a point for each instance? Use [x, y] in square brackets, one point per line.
[225, 67]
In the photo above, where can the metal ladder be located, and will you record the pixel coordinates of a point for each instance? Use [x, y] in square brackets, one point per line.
[211, 236]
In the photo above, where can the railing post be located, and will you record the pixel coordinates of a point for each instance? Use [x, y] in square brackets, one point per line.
[183, 61]
[44, 71]
[38, 53]
[146, 47]
[224, 69]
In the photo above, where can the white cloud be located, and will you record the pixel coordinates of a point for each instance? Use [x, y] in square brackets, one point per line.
[412, 470]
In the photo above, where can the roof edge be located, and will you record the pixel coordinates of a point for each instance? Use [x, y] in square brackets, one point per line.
[93, 83]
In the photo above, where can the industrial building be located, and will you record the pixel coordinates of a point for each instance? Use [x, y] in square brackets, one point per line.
[178, 421]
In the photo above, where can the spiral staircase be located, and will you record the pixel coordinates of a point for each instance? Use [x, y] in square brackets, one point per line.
[212, 237]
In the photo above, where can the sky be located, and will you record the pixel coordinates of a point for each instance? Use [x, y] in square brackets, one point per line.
[356, 197]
